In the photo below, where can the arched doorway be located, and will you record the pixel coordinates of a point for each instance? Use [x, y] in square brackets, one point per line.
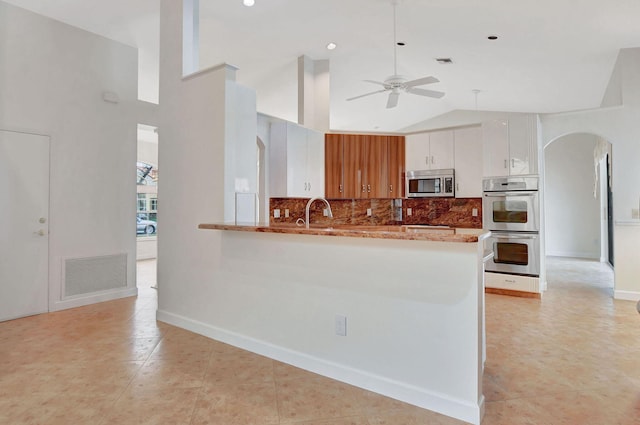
[578, 198]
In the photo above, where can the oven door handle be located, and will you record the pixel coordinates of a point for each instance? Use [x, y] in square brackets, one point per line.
[524, 236]
[507, 194]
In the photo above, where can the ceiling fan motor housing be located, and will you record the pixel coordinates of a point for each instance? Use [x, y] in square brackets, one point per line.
[395, 81]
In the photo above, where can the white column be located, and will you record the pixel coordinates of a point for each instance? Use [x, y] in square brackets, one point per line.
[313, 93]
[190, 36]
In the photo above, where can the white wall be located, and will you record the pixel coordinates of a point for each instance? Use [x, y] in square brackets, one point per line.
[414, 328]
[278, 94]
[52, 78]
[620, 126]
[572, 213]
[204, 117]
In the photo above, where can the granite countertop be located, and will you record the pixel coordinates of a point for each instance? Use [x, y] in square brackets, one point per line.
[407, 232]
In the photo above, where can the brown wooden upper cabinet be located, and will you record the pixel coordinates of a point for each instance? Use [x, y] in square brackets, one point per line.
[364, 166]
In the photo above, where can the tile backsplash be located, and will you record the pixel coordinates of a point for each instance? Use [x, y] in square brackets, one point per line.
[454, 212]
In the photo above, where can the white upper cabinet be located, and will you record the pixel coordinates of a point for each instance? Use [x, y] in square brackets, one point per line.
[441, 149]
[296, 156]
[510, 146]
[417, 155]
[523, 144]
[315, 163]
[429, 151]
[468, 162]
[495, 142]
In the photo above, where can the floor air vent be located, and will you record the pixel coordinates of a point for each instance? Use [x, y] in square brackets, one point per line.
[94, 274]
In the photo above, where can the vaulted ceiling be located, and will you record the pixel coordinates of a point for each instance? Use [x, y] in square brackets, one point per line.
[550, 55]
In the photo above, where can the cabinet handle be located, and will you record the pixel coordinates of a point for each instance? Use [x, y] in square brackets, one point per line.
[457, 187]
[513, 163]
[426, 160]
[505, 163]
[363, 189]
[432, 159]
[309, 186]
[340, 188]
[368, 188]
[390, 188]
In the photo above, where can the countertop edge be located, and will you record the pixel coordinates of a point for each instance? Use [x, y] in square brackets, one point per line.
[376, 234]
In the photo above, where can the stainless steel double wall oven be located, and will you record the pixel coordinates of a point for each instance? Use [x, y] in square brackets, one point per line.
[511, 210]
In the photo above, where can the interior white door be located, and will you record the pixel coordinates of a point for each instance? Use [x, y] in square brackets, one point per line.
[24, 224]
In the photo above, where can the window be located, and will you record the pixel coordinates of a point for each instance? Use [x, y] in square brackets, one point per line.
[142, 202]
[147, 199]
[147, 174]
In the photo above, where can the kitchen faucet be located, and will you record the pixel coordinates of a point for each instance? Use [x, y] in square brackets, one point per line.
[329, 214]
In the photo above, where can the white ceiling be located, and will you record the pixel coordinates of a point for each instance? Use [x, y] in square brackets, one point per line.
[551, 55]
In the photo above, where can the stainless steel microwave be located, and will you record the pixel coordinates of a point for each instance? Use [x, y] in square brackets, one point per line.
[428, 183]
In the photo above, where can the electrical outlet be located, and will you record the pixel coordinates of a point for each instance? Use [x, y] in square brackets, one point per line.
[276, 213]
[341, 325]
[474, 212]
[409, 211]
[286, 212]
[369, 212]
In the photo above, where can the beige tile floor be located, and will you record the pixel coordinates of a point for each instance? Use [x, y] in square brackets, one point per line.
[572, 358]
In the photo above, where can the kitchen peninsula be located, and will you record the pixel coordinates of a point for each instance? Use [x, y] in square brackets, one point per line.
[394, 309]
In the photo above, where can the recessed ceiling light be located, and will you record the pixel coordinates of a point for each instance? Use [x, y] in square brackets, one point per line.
[331, 46]
[248, 2]
[401, 43]
[444, 61]
[493, 37]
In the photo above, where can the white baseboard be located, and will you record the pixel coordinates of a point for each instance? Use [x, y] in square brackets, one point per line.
[626, 295]
[421, 397]
[98, 297]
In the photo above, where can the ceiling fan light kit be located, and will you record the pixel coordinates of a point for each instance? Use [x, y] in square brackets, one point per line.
[396, 84]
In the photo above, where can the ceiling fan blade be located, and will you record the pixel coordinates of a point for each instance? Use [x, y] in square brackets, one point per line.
[392, 102]
[423, 92]
[380, 83]
[421, 81]
[367, 94]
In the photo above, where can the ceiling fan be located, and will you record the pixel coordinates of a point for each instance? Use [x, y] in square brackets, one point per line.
[396, 84]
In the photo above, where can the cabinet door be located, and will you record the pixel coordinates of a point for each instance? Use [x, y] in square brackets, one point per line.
[417, 152]
[468, 162]
[441, 149]
[333, 171]
[522, 144]
[396, 166]
[376, 171]
[352, 163]
[297, 184]
[495, 143]
[315, 163]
